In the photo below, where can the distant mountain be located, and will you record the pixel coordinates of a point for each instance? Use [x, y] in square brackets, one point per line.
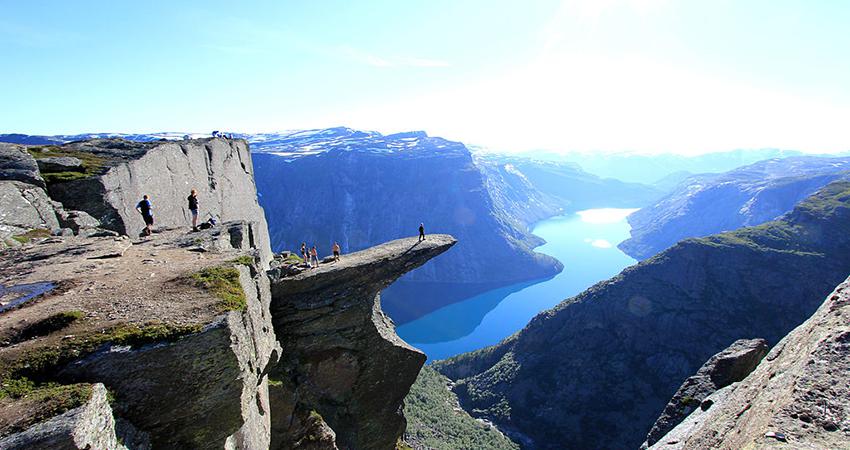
[648, 169]
[750, 195]
[361, 188]
[571, 187]
[596, 370]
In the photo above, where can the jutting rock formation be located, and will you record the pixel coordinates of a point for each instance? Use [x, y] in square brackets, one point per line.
[179, 327]
[341, 356]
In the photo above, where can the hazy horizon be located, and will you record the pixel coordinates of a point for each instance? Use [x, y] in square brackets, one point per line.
[645, 76]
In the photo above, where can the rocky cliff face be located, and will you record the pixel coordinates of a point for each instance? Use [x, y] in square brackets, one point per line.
[747, 196]
[179, 327]
[731, 365]
[361, 189]
[24, 204]
[117, 173]
[595, 371]
[796, 398]
[341, 356]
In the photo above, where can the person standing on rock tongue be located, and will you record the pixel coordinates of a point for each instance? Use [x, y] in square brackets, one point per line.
[193, 207]
[314, 257]
[336, 251]
[304, 253]
[421, 232]
[146, 210]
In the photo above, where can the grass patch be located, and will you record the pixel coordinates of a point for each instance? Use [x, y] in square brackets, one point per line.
[92, 164]
[244, 260]
[49, 325]
[276, 383]
[71, 395]
[26, 238]
[223, 282]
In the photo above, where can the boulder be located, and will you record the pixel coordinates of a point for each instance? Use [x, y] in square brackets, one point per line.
[24, 207]
[729, 366]
[53, 164]
[18, 165]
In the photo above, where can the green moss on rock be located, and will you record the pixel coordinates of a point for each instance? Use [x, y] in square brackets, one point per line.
[223, 282]
[92, 164]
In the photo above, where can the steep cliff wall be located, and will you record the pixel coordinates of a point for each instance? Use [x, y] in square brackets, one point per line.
[798, 397]
[119, 172]
[341, 356]
[595, 371]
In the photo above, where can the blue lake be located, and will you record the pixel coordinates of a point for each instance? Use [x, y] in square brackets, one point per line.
[585, 242]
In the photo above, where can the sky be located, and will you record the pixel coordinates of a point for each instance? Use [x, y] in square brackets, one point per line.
[561, 75]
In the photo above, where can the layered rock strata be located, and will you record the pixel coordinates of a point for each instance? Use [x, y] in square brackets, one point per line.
[341, 357]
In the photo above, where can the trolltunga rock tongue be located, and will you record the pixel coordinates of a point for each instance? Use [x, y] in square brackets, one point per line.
[331, 327]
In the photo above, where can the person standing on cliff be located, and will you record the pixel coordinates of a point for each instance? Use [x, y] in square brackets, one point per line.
[421, 232]
[193, 208]
[304, 254]
[314, 257]
[146, 210]
[336, 250]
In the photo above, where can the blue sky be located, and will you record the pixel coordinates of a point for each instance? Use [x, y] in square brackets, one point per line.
[594, 75]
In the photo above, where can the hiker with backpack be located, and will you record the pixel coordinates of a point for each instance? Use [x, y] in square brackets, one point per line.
[145, 208]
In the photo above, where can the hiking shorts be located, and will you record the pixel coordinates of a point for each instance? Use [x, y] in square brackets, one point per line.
[194, 212]
[148, 219]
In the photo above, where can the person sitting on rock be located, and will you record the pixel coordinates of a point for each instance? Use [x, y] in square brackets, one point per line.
[336, 251]
[421, 232]
[146, 210]
[314, 257]
[193, 208]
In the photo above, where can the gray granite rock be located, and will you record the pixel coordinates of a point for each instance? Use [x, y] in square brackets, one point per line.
[731, 365]
[24, 207]
[341, 356]
[53, 164]
[798, 397]
[16, 164]
[90, 426]
[219, 169]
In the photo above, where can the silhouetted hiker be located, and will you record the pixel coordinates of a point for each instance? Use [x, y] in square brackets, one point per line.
[304, 253]
[146, 210]
[314, 257]
[421, 232]
[193, 207]
[336, 251]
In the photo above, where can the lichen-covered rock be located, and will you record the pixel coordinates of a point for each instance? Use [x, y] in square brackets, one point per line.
[798, 397]
[341, 356]
[90, 426]
[219, 169]
[729, 366]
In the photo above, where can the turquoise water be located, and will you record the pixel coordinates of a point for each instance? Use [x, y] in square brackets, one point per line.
[585, 242]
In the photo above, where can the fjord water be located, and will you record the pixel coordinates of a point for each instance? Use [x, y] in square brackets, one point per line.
[585, 242]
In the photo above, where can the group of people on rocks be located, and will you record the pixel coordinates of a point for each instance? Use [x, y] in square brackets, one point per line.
[145, 208]
[310, 255]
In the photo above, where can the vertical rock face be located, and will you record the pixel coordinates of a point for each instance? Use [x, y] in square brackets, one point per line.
[798, 397]
[219, 169]
[729, 366]
[341, 356]
[90, 426]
